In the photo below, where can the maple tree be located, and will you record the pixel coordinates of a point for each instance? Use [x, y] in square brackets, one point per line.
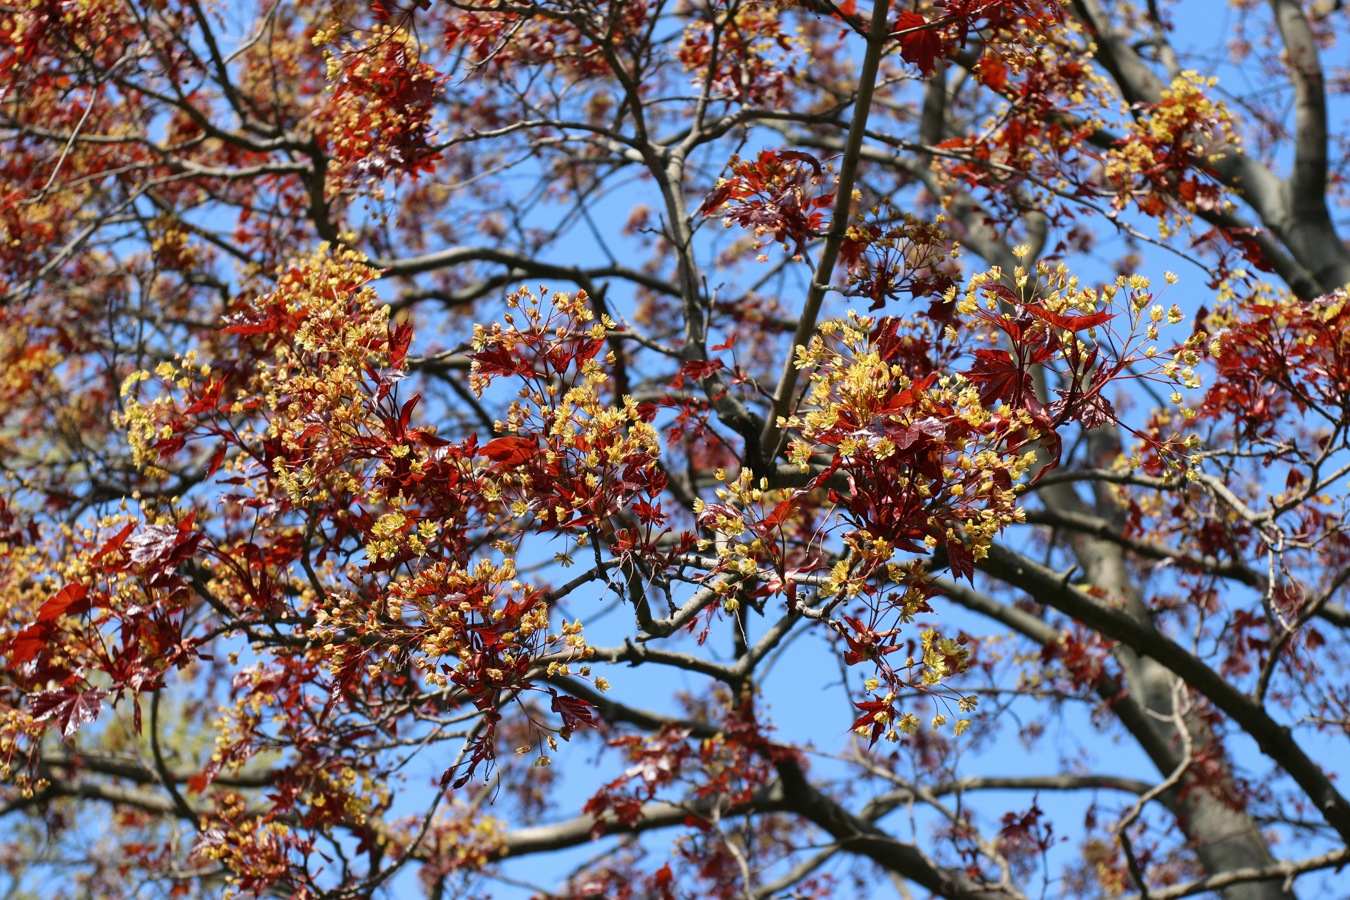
[758, 443]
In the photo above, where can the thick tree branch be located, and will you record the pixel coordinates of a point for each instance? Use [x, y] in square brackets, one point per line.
[840, 217]
[518, 262]
[651, 817]
[1285, 870]
[1274, 739]
[857, 835]
[1308, 181]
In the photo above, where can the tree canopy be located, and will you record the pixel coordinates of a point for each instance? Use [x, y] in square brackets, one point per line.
[674, 448]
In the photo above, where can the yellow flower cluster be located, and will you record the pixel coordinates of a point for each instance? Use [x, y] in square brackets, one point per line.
[858, 405]
[1185, 127]
[739, 548]
[460, 838]
[583, 439]
[331, 330]
[248, 848]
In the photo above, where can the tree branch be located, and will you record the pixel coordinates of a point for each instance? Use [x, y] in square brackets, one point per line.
[1275, 740]
[839, 220]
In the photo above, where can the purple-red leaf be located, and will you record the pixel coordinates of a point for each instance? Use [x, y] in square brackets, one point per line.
[576, 713]
[960, 561]
[506, 452]
[115, 542]
[27, 644]
[70, 707]
[920, 43]
[999, 377]
[1071, 323]
[71, 600]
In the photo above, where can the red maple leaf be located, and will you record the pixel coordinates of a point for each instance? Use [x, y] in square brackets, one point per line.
[69, 706]
[576, 713]
[510, 451]
[71, 600]
[920, 43]
[1000, 376]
